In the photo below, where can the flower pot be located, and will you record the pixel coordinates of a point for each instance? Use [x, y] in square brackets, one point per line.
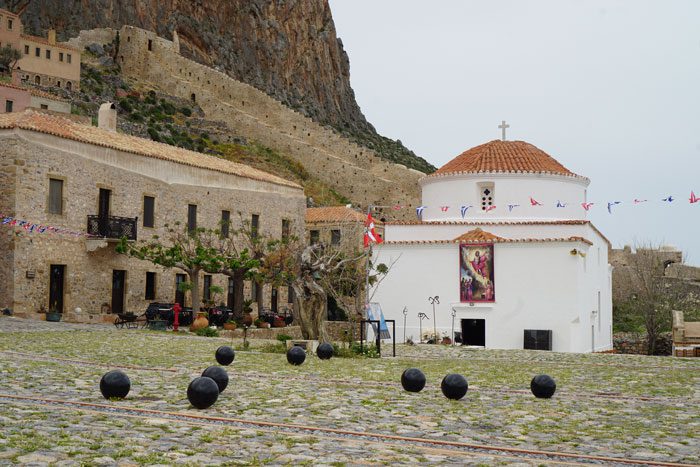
[230, 326]
[247, 319]
[200, 322]
[53, 316]
[278, 323]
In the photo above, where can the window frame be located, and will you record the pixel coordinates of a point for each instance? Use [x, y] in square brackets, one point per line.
[61, 197]
[152, 223]
[150, 292]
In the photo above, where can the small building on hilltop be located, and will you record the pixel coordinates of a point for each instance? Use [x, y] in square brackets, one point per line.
[69, 191]
[337, 226]
[15, 98]
[44, 62]
[504, 252]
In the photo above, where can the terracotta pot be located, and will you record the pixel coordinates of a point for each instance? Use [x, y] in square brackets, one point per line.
[230, 326]
[247, 319]
[263, 325]
[279, 323]
[200, 322]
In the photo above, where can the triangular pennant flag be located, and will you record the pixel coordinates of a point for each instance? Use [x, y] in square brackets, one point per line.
[693, 199]
[463, 210]
[611, 204]
[534, 202]
[512, 206]
[587, 206]
[419, 211]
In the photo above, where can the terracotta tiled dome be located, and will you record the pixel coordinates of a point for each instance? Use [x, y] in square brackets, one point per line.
[504, 156]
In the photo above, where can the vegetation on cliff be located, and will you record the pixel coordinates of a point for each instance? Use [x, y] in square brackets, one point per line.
[289, 50]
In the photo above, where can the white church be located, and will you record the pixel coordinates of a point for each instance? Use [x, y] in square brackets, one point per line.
[502, 240]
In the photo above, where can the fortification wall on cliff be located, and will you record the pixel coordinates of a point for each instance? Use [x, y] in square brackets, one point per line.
[354, 171]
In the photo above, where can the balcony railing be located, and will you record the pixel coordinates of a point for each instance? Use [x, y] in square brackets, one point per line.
[112, 227]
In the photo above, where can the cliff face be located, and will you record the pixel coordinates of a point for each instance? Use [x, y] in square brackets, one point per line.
[286, 48]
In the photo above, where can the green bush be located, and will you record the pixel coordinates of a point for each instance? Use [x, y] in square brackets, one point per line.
[274, 348]
[354, 351]
[207, 332]
[153, 134]
[186, 111]
[284, 337]
[126, 105]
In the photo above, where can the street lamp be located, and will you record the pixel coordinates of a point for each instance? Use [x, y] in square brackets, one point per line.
[433, 301]
[421, 317]
[405, 312]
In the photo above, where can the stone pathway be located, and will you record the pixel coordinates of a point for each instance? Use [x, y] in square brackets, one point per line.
[351, 394]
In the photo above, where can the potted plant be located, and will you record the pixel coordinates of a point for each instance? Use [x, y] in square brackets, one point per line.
[259, 323]
[247, 310]
[230, 325]
[53, 315]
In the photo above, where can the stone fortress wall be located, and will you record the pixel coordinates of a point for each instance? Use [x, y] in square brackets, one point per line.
[354, 171]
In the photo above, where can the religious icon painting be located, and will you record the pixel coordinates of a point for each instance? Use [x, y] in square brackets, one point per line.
[476, 282]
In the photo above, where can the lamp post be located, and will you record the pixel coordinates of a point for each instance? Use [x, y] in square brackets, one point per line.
[405, 312]
[454, 314]
[433, 301]
[421, 317]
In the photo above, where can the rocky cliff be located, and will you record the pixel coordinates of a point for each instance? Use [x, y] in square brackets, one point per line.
[286, 48]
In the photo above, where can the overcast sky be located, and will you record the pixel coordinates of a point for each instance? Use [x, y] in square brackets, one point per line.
[611, 89]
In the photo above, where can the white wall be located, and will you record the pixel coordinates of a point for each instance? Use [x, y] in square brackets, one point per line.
[538, 286]
[457, 190]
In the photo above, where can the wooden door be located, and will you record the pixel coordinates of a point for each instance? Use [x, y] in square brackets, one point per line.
[118, 290]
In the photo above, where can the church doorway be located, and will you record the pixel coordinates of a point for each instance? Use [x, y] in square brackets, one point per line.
[474, 332]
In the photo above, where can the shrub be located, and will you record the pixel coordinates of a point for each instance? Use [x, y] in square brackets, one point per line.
[153, 134]
[126, 105]
[186, 111]
[274, 348]
[284, 337]
[207, 332]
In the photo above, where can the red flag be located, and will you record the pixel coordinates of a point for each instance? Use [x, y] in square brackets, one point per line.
[370, 235]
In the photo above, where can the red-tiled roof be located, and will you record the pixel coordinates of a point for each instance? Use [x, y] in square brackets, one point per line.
[65, 128]
[498, 240]
[477, 235]
[44, 41]
[334, 214]
[34, 92]
[506, 157]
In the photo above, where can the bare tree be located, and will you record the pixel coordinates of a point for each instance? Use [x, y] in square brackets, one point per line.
[190, 251]
[654, 295]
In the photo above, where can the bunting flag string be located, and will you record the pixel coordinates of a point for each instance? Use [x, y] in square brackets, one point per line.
[33, 227]
[587, 206]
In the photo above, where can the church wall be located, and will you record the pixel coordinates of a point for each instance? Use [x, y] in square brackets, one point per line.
[455, 191]
[515, 231]
[33, 158]
[538, 286]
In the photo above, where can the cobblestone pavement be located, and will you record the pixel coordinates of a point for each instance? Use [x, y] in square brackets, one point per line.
[610, 405]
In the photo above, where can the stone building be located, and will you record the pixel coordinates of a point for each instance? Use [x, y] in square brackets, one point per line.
[338, 226]
[625, 282]
[44, 61]
[58, 174]
[15, 98]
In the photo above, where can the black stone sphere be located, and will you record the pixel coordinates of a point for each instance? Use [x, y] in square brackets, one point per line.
[413, 380]
[296, 355]
[225, 355]
[454, 386]
[543, 386]
[115, 385]
[324, 351]
[219, 376]
[202, 392]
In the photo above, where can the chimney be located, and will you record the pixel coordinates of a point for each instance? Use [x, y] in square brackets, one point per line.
[107, 117]
[52, 36]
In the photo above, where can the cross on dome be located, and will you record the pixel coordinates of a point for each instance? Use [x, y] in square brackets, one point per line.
[503, 127]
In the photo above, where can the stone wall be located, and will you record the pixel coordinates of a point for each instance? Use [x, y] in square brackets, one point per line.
[354, 171]
[9, 169]
[624, 283]
[29, 159]
[632, 343]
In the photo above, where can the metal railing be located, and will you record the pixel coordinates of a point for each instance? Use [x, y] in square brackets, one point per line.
[112, 227]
